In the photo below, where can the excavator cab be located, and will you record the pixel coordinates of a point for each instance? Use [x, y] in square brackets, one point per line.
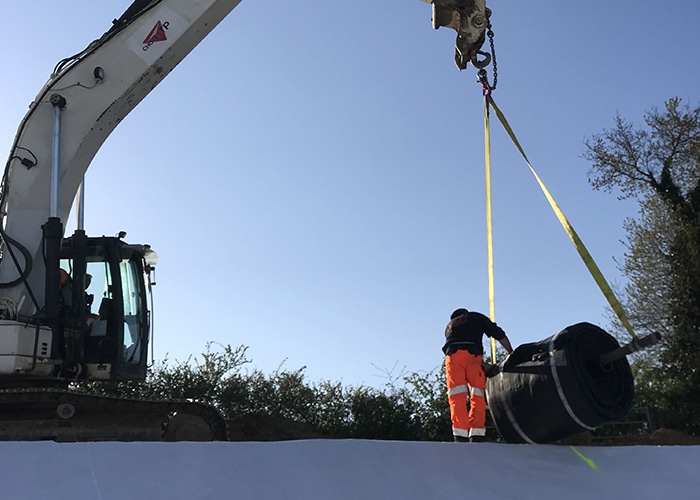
[103, 327]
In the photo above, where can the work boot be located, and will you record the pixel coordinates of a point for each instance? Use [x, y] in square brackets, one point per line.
[460, 439]
[477, 439]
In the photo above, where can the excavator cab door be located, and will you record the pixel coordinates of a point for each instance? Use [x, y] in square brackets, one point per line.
[111, 317]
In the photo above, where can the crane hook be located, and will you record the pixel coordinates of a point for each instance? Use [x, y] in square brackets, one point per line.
[484, 62]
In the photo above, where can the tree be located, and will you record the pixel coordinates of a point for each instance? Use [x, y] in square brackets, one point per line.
[659, 165]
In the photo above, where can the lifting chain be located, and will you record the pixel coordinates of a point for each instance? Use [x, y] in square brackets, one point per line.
[482, 75]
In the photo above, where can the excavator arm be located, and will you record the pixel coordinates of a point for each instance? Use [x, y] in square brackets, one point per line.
[87, 95]
[95, 89]
[469, 18]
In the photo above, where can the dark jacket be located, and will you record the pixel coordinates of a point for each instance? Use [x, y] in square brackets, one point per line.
[465, 332]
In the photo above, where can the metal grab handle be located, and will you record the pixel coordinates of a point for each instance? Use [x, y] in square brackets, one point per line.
[634, 346]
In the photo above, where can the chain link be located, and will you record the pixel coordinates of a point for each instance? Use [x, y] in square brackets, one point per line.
[482, 75]
[489, 33]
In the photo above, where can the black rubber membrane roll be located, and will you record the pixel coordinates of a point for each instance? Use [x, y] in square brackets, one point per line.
[556, 388]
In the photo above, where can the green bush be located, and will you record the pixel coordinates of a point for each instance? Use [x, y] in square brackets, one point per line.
[413, 408]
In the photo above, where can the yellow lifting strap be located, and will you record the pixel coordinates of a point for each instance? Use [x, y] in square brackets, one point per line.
[489, 226]
[578, 244]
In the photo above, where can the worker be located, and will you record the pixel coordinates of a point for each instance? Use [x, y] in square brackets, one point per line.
[65, 297]
[464, 368]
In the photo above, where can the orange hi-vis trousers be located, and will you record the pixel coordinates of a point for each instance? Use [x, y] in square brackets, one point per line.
[465, 375]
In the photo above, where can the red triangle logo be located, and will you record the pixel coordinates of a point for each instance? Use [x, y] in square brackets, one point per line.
[157, 34]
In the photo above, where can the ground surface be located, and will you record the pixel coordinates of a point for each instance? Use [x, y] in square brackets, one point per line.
[341, 469]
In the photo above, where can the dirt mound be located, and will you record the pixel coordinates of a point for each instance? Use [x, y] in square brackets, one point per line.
[268, 428]
[669, 437]
[660, 437]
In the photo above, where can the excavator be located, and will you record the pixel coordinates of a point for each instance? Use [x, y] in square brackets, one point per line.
[51, 333]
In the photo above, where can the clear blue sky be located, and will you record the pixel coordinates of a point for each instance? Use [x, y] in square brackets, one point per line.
[312, 175]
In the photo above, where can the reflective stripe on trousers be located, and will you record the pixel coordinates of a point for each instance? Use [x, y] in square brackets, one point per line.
[465, 375]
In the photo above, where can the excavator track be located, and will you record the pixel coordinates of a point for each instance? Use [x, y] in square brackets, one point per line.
[36, 414]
